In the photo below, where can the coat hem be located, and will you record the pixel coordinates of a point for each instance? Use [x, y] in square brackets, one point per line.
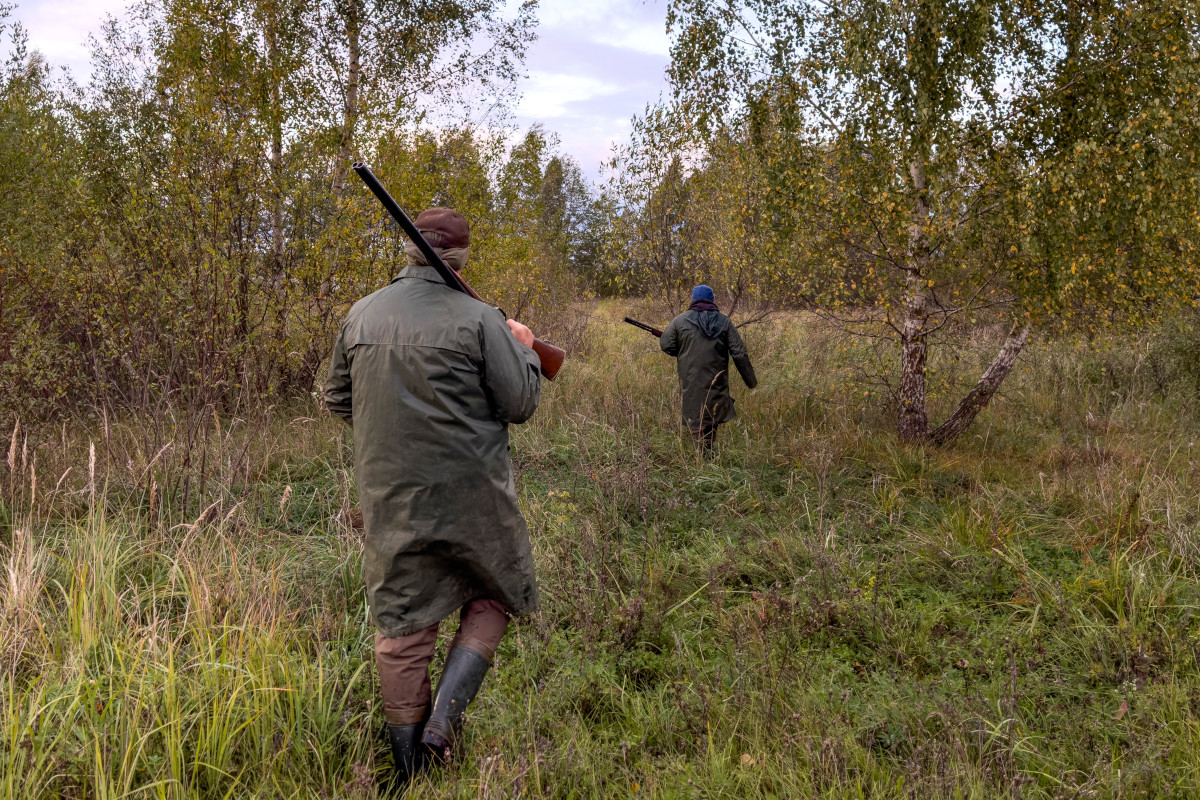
[428, 620]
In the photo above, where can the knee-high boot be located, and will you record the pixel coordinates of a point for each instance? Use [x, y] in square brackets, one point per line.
[461, 679]
[409, 756]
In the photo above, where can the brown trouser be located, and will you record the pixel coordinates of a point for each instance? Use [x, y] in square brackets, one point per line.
[704, 433]
[403, 661]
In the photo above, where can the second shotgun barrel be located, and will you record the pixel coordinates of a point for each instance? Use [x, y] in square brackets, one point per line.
[644, 326]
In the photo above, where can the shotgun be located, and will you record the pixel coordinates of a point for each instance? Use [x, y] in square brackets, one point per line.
[552, 357]
[643, 326]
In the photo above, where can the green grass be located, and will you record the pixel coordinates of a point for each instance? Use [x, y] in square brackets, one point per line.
[817, 612]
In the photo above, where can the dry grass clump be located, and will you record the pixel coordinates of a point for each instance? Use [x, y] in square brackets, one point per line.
[24, 576]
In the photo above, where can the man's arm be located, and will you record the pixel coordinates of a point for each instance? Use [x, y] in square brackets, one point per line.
[511, 372]
[669, 341]
[337, 384]
[741, 359]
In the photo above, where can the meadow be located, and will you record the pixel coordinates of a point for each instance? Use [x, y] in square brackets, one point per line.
[817, 611]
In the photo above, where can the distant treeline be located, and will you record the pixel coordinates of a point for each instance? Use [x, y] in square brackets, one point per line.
[184, 228]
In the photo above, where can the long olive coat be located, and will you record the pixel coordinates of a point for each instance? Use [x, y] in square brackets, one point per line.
[430, 380]
[703, 342]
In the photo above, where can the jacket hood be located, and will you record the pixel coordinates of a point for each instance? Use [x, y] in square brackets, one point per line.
[710, 322]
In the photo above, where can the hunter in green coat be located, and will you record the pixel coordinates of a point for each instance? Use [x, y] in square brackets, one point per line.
[703, 340]
[430, 379]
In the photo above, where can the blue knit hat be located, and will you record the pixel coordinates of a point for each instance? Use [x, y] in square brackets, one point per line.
[702, 292]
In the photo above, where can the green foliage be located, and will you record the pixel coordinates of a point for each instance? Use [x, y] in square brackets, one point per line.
[1176, 354]
[38, 204]
[939, 165]
[184, 229]
[1107, 239]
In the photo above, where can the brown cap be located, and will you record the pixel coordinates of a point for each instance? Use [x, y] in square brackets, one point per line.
[449, 228]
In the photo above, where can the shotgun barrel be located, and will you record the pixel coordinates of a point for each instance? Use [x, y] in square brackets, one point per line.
[551, 357]
[644, 326]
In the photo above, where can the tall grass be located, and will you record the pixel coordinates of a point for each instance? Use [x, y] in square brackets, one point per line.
[816, 612]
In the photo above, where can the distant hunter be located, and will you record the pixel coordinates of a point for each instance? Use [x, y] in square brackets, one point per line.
[430, 379]
[703, 340]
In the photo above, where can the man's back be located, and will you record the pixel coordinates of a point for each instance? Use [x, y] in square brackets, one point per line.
[703, 340]
[430, 379]
[436, 368]
[701, 345]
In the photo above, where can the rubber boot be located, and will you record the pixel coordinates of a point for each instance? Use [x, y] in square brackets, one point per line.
[409, 756]
[461, 679]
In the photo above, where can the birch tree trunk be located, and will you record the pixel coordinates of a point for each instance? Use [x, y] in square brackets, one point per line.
[277, 240]
[276, 264]
[353, 81]
[276, 122]
[977, 399]
[913, 421]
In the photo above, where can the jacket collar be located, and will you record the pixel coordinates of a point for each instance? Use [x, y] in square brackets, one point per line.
[424, 273]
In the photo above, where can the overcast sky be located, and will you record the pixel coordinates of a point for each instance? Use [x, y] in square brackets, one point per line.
[596, 63]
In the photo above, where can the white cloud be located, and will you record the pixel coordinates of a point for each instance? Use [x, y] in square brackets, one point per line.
[636, 25]
[554, 13]
[59, 29]
[595, 65]
[545, 95]
[639, 38]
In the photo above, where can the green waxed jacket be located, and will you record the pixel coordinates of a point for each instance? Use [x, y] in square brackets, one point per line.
[430, 380]
[703, 342]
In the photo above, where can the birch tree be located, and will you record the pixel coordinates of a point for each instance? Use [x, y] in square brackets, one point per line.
[392, 61]
[934, 141]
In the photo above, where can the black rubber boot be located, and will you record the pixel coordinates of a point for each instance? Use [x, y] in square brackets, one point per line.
[408, 755]
[461, 679]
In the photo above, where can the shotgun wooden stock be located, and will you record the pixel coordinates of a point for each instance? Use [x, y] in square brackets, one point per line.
[551, 357]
